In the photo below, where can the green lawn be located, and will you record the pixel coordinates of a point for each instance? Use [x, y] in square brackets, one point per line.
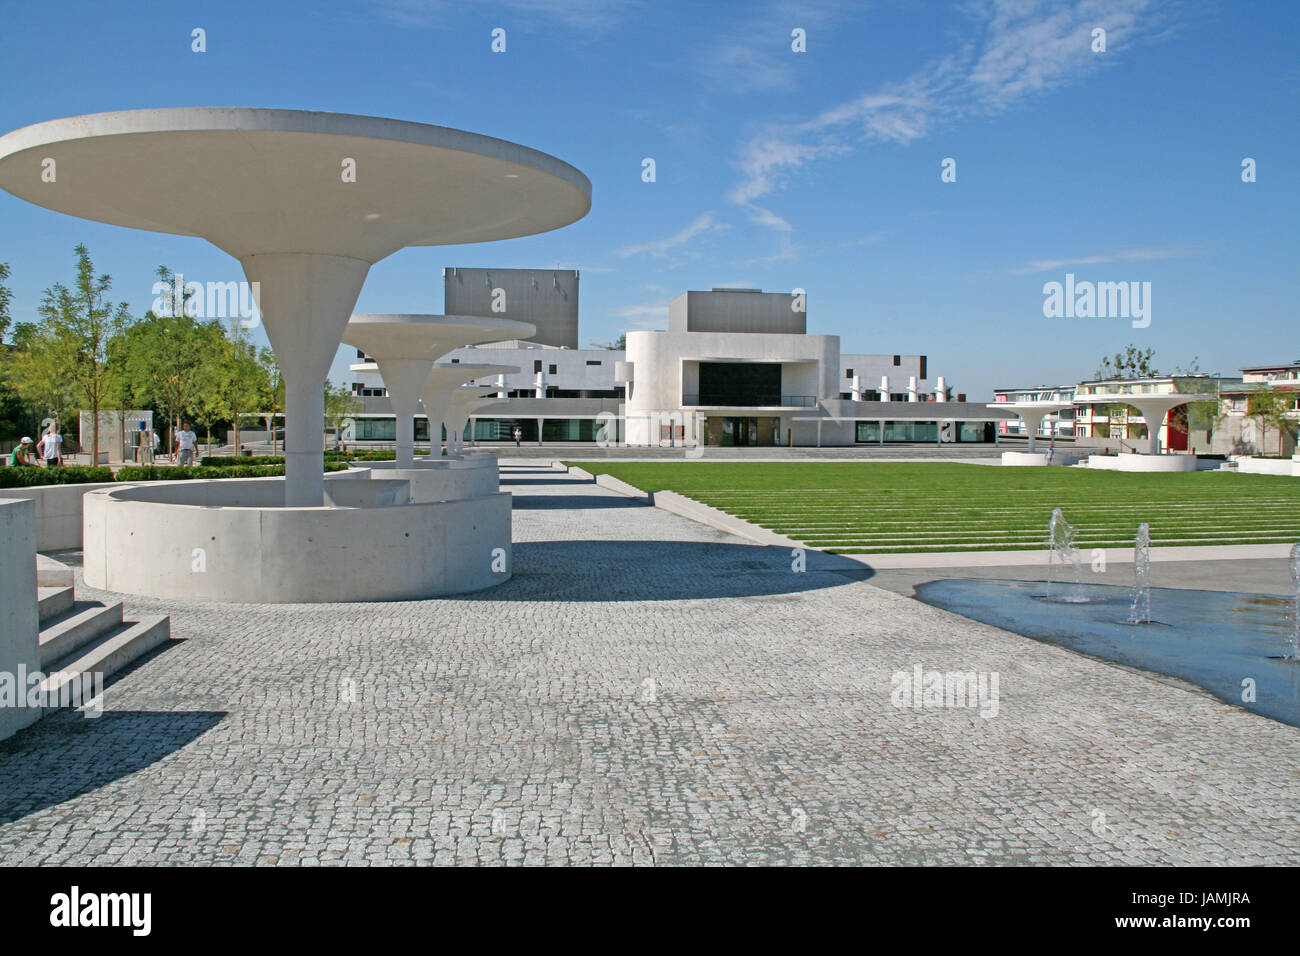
[916, 506]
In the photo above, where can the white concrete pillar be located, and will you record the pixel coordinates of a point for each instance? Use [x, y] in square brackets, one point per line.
[539, 430]
[405, 380]
[305, 302]
[539, 385]
[884, 388]
[855, 388]
[940, 389]
[1033, 422]
[912, 394]
[501, 386]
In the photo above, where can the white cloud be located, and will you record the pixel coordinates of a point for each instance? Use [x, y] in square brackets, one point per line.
[1022, 47]
[649, 316]
[1148, 254]
[661, 247]
[765, 217]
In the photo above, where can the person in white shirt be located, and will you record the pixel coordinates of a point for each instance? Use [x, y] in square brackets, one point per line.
[49, 447]
[185, 440]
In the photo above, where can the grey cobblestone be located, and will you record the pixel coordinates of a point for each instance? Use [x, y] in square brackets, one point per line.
[514, 727]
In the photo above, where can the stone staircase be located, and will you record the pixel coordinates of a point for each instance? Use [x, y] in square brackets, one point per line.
[87, 637]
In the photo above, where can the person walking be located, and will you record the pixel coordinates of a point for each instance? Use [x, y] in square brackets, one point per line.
[186, 440]
[519, 433]
[22, 454]
[50, 446]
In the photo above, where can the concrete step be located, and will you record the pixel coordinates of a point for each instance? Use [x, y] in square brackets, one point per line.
[53, 601]
[51, 573]
[77, 628]
[107, 655]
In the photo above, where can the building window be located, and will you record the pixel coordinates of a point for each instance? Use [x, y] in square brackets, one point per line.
[551, 369]
[848, 373]
[596, 362]
[898, 360]
[924, 367]
[455, 361]
[537, 365]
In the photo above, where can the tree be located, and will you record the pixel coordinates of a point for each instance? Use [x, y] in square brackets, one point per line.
[240, 380]
[170, 358]
[74, 330]
[1131, 363]
[1270, 408]
[38, 374]
[620, 343]
[340, 403]
[272, 398]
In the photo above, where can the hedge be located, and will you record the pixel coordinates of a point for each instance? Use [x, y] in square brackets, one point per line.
[369, 454]
[27, 476]
[228, 461]
[177, 472]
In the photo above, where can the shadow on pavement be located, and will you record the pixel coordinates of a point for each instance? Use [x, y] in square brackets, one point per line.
[664, 571]
[67, 754]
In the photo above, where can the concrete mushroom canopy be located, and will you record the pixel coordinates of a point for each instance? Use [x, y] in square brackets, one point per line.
[466, 399]
[1154, 407]
[404, 347]
[1031, 413]
[444, 380]
[305, 201]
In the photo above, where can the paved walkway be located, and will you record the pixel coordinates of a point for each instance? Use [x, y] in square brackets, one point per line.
[644, 690]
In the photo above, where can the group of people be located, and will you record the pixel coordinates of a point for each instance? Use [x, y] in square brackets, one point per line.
[49, 450]
[185, 448]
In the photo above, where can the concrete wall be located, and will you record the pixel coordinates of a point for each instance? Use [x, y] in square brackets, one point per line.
[19, 625]
[735, 310]
[138, 545]
[448, 479]
[58, 512]
[59, 507]
[548, 298]
[1268, 466]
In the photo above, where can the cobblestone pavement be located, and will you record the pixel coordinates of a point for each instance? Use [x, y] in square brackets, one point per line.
[644, 690]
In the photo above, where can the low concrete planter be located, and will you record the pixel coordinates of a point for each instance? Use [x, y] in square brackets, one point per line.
[1143, 463]
[187, 541]
[1022, 459]
[1249, 465]
[447, 479]
[58, 512]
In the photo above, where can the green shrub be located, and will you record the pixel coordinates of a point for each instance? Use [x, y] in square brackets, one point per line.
[178, 473]
[369, 454]
[231, 461]
[28, 477]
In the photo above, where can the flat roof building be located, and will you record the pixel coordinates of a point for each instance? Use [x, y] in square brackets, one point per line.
[548, 298]
[734, 367]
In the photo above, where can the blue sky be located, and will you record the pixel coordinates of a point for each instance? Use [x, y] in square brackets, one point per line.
[775, 169]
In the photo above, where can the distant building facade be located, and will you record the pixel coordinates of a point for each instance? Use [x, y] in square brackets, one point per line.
[734, 367]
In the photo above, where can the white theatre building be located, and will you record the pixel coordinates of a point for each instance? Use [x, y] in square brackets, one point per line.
[734, 367]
